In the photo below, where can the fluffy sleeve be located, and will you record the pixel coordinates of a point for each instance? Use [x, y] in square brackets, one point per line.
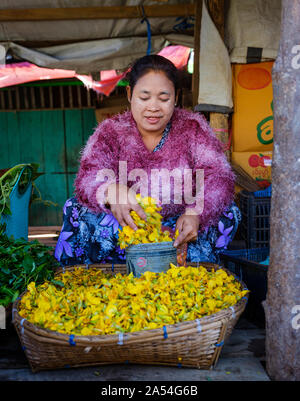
[98, 166]
[217, 191]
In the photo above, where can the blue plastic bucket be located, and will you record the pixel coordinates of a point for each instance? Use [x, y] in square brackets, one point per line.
[17, 222]
[154, 257]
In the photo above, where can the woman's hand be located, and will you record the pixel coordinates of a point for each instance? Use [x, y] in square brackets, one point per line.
[122, 200]
[187, 226]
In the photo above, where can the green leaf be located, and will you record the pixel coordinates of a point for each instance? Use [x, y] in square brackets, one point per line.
[5, 301]
[7, 291]
[33, 267]
[15, 296]
[11, 280]
[5, 270]
[28, 263]
[21, 263]
[58, 282]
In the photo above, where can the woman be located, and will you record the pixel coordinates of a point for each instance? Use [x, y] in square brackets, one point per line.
[153, 141]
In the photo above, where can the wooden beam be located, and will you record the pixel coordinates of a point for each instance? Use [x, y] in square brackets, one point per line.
[219, 121]
[197, 31]
[83, 13]
[25, 95]
[219, 124]
[216, 9]
[32, 98]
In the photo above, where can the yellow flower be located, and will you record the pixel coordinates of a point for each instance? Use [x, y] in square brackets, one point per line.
[31, 287]
[39, 317]
[148, 231]
[93, 303]
[148, 201]
[128, 231]
[44, 305]
[86, 331]
[152, 325]
[27, 303]
[229, 299]
[211, 284]
[150, 209]
[243, 293]
[211, 304]
[111, 310]
[217, 292]
[153, 237]
[148, 275]
[92, 299]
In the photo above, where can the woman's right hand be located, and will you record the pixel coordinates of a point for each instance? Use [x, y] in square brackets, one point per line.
[122, 200]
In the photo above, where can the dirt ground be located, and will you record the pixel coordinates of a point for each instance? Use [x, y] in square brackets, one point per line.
[242, 359]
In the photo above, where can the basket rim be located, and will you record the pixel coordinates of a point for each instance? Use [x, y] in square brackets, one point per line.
[227, 314]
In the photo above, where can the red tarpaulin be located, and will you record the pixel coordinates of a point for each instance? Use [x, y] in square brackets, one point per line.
[20, 73]
[179, 55]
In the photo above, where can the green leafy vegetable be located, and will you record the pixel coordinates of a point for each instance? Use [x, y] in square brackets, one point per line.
[22, 262]
[10, 178]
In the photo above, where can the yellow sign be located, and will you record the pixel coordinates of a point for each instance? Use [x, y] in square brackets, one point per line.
[256, 164]
[252, 122]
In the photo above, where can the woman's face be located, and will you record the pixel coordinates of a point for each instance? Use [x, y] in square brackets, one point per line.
[152, 102]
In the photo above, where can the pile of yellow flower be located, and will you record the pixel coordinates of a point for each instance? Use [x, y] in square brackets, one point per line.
[89, 302]
[147, 231]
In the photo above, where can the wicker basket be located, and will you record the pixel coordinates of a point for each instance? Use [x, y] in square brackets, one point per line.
[194, 344]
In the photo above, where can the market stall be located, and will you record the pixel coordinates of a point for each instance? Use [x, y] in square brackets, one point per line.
[234, 46]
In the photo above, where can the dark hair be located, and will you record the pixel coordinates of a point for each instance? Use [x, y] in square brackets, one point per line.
[153, 62]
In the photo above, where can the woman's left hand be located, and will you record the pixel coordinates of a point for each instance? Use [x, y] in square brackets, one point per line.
[187, 226]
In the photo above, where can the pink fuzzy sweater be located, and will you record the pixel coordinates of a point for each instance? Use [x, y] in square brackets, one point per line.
[191, 144]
